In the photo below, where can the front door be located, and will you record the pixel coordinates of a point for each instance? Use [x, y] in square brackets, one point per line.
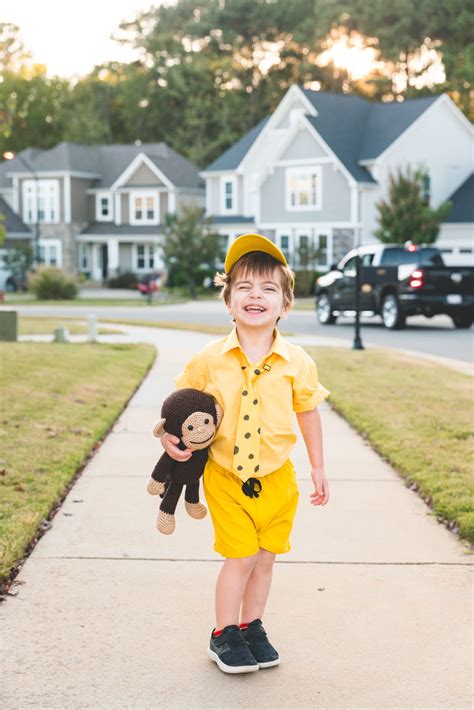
[104, 261]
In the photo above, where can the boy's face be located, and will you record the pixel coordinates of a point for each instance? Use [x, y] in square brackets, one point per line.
[257, 300]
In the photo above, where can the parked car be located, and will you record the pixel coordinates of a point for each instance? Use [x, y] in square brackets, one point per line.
[397, 281]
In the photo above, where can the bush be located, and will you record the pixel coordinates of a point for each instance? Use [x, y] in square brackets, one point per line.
[125, 280]
[50, 283]
[304, 282]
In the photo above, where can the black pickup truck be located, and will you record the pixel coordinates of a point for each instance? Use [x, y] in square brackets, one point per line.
[397, 281]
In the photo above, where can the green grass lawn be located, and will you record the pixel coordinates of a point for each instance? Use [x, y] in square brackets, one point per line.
[177, 325]
[57, 402]
[418, 415]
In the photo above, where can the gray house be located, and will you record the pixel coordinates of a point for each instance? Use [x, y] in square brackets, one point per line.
[309, 176]
[100, 209]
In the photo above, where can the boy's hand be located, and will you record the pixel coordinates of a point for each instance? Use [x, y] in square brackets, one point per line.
[321, 487]
[169, 443]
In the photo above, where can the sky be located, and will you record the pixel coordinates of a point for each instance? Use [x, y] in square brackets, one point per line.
[71, 37]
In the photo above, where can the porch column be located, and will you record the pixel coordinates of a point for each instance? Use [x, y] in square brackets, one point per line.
[113, 256]
[96, 269]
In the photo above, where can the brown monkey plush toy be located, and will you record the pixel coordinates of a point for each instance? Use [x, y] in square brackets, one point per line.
[193, 416]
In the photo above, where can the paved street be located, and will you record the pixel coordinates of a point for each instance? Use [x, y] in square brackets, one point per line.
[436, 336]
[370, 609]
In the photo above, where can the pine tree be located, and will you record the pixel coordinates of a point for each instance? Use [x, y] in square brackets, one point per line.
[407, 214]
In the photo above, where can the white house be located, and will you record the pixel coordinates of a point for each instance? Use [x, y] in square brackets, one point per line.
[311, 173]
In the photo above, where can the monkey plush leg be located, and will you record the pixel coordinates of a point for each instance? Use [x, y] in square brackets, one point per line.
[191, 502]
[155, 488]
[166, 522]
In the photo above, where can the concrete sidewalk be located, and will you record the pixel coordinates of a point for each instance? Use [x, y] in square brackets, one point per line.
[370, 609]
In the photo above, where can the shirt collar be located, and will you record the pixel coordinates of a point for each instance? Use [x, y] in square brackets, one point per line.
[279, 345]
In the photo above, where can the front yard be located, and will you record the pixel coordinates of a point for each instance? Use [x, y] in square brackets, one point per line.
[57, 402]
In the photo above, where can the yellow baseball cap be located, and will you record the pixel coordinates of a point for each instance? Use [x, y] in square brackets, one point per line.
[251, 242]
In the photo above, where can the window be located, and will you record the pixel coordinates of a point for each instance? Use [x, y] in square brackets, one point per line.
[145, 256]
[49, 252]
[41, 201]
[423, 257]
[285, 246]
[143, 208]
[103, 207]
[304, 250]
[229, 195]
[367, 259]
[323, 249]
[303, 188]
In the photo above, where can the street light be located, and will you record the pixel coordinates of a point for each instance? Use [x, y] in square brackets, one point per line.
[10, 155]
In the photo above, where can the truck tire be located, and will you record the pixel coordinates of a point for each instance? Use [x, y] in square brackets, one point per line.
[391, 313]
[462, 321]
[324, 310]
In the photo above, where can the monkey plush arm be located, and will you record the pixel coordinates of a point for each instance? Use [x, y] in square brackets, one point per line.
[156, 484]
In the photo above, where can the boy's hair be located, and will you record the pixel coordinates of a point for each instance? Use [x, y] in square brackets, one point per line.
[261, 264]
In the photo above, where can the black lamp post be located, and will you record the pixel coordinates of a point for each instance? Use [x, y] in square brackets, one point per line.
[10, 155]
[357, 344]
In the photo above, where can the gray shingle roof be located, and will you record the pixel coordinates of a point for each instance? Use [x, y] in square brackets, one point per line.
[463, 203]
[12, 222]
[233, 156]
[354, 128]
[107, 162]
[111, 228]
[357, 129]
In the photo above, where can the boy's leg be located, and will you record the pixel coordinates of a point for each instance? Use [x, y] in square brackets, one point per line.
[231, 583]
[258, 587]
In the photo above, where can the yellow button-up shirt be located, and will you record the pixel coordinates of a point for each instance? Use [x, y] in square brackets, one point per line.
[291, 385]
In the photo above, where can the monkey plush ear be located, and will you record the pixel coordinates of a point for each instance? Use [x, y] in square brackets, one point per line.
[159, 428]
[220, 414]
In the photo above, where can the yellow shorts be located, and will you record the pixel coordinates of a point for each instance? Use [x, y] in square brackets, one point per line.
[242, 525]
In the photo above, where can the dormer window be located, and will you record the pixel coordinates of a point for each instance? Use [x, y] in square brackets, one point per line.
[229, 195]
[144, 208]
[103, 207]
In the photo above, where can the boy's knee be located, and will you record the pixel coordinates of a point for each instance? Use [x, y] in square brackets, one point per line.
[246, 564]
[266, 558]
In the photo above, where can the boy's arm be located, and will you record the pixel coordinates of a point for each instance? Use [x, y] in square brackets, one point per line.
[311, 429]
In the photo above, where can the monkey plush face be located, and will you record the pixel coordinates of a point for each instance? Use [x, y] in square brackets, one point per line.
[199, 429]
[191, 415]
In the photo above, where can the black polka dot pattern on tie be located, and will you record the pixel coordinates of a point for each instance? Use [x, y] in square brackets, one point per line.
[255, 401]
[236, 449]
[246, 417]
[247, 435]
[245, 393]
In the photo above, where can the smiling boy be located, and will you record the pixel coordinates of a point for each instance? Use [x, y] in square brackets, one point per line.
[259, 380]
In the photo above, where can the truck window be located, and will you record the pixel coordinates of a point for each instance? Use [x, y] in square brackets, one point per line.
[367, 259]
[421, 257]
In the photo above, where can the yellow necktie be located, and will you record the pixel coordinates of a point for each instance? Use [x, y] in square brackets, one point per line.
[246, 460]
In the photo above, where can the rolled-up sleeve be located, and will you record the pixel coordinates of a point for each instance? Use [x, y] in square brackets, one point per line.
[308, 392]
[194, 374]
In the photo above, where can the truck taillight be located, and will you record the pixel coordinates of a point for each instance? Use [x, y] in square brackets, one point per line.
[416, 278]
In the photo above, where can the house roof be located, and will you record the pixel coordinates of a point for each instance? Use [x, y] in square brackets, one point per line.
[106, 162]
[233, 156]
[112, 228]
[11, 221]
[463, 203]
[355, 129]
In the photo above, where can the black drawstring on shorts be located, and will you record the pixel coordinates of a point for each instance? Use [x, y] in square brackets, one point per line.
[252, 487]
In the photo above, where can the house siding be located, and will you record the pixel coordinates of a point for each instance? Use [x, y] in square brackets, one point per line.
[302, 147]
[79, 200]
[336, 199]
[143, 175]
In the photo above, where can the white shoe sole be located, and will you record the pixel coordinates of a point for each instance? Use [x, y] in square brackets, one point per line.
[230, 669]
[269, 664]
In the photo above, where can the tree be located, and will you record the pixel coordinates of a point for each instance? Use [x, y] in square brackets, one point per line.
[190, 243]
[407, 214]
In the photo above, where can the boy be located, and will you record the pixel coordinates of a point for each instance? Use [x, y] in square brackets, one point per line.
[249, 481]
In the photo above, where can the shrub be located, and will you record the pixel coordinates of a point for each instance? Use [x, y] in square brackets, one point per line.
[50, 283]
[304, 282]
[125, 280]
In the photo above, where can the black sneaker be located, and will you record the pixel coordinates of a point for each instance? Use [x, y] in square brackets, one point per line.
[230, 651]
[259, 645]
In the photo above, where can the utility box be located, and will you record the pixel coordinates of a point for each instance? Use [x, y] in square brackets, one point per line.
[9, 326]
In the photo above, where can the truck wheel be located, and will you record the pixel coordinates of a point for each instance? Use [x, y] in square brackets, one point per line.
[462, 321]
[392, 317]
[324, 310]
